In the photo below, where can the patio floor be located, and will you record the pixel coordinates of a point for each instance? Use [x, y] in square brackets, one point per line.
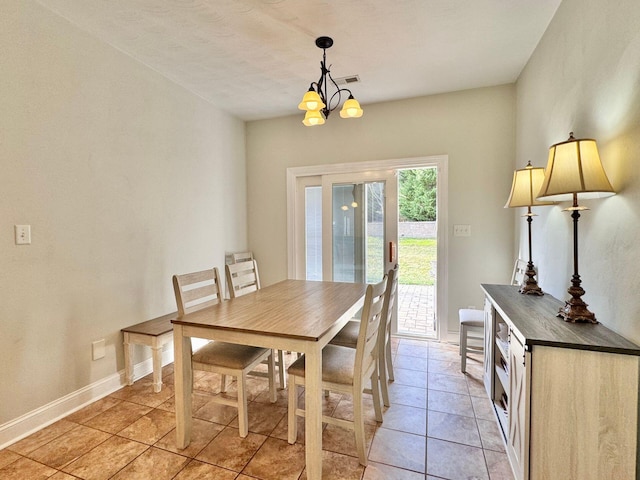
[416, 310]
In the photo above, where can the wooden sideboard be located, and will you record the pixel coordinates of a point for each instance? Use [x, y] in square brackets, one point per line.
[565, 395]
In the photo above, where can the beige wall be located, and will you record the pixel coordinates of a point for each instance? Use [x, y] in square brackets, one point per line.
[585, 77]
[125, 179]
[474, 128]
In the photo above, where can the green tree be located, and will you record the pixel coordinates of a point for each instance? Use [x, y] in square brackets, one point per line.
[417, 196]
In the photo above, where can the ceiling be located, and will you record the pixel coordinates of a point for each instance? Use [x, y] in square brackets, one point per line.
[256, 58]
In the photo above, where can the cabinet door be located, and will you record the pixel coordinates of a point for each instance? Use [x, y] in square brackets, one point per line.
[489, 335]
[519, 377]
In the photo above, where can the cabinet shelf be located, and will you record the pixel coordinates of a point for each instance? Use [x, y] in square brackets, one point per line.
[503, 376]
[503, 346]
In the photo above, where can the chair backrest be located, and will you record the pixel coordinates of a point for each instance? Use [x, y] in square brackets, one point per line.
[367, 346]
[387, 306]
[519, 272]
[241, 256]
[242, 278]
[197, 290]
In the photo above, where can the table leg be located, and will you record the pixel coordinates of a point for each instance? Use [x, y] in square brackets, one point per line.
[313, 415]
[128, 359]
[183, 380]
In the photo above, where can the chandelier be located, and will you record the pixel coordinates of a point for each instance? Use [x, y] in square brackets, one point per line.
[317, 103]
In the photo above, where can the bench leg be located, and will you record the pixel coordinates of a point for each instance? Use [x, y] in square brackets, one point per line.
[157, 367]
[128, 360]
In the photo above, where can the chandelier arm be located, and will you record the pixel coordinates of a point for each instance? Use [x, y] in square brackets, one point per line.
[339, 92]
[325, 95]
[322, 81]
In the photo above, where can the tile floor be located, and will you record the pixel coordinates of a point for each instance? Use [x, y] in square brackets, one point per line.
[440, 426]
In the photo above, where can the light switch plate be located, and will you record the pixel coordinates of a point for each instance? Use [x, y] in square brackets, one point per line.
[462, 230]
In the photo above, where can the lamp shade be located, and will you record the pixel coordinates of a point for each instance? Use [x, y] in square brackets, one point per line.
[526, 185]
[312, 118]
[351, 109]
[311, 101]
[574, 167]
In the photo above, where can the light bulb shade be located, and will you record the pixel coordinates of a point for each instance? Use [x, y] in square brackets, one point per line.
[311, 102]
[574, 166]
[312, 118]
[526, 185]
[351, 109]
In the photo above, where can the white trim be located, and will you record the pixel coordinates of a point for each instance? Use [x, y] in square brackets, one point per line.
[442, 163]
[443, 249]
[41, 417]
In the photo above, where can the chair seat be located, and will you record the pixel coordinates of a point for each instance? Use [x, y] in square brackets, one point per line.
[472, 317]
[228, 355]
[337, 365]
[348, 336]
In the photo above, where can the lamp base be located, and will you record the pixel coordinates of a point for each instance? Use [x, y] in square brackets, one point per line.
[531, 289]
[575, 310]
[530, 285]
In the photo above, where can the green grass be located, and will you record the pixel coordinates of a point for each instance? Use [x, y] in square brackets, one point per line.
[416, 257]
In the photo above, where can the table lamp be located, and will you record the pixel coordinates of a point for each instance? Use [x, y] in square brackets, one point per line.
[526, 184]
[574, 168]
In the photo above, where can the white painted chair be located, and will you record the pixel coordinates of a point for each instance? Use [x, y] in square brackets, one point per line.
[347, 370]
[198, 290]
[243, 278]
[472, 320]
[519, 272]
[348, 336]
[241, 257]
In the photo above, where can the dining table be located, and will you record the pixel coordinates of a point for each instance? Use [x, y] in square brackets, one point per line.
[292, 315]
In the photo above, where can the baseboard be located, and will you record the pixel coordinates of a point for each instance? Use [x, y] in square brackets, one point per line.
[44, 416]
[452, 337]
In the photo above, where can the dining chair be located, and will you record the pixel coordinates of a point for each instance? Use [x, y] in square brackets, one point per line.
[243, 278]
[519, 272]
[472, 319]
[241, 257]
[347, 370]
[198, 290]
[348, 336]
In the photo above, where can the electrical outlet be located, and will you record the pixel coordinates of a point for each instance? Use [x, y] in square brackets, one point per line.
[462, 230]
[97, 349]
[23, 234]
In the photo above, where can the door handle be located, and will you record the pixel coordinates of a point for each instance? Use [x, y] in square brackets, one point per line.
[391, 252]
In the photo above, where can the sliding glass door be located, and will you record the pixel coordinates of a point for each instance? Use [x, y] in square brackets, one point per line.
[355, 226]
[358, 224]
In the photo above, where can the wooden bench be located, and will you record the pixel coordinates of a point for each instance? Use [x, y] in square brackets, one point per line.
[154, 333]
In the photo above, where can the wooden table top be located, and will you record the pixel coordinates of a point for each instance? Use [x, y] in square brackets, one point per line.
[299, 309]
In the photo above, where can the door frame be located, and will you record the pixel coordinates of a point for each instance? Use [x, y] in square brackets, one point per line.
[439, 161]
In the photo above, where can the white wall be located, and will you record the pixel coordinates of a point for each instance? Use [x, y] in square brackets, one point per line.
[475, 128]
[585, 77]
[125, 179]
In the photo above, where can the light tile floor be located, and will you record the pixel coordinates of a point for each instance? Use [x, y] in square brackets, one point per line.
[439, 426]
